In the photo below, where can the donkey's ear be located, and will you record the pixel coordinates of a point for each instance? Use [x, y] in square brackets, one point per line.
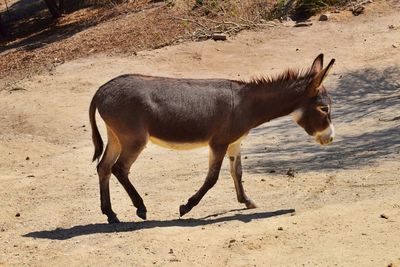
[318, 64]
[319, 78]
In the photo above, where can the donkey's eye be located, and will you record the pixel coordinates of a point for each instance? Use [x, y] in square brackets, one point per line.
[324, 108]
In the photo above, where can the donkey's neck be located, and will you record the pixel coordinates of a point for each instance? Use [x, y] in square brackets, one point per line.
[270, 99]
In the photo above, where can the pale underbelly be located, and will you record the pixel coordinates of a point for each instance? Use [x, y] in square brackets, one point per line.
[175, 145]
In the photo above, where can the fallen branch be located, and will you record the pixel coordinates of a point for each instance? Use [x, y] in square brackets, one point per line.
[218, 30]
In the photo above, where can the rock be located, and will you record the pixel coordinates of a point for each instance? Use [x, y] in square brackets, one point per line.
[262, 180]
[272, 171]
[18, 214]
[280, 228]
[218, 37]
[324, 17]
[290, 172]
[27, 158]
[394, 45]
[383, 216]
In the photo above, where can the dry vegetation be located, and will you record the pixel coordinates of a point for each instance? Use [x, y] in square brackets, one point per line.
[97, 26]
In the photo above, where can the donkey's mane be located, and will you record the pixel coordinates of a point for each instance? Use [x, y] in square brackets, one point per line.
[289, 75]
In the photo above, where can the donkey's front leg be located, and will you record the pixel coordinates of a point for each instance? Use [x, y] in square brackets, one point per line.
[236, 173]
[217, 154]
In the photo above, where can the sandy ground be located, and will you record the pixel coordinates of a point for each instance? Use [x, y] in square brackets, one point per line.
[328, 214]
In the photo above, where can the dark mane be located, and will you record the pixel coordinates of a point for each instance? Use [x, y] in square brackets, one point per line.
[288, 76]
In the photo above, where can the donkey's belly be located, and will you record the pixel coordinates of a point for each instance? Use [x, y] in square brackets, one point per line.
[177, 145]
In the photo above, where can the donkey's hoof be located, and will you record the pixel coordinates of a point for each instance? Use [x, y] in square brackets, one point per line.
[183, 210]
[250, 204]
[112, 220]
[141, 214]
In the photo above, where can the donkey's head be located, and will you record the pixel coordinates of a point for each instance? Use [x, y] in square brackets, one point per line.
[314, 113]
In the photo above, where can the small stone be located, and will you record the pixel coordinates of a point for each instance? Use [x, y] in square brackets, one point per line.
[245, 157]
[262, 180]
[272, 171]
[394, 45]
[27, 158]
[218, 37]
[383, 216]
[18, 214]
[171, 251]
[30, 176]
[324, 17]
[232, 241]
[280, 228]
[290, 172]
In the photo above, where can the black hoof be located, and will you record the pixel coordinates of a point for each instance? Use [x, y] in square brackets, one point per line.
[141, 214]
[112, 220]
[183, 210]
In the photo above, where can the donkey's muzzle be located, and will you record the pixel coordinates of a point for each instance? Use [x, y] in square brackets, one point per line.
[326, 136]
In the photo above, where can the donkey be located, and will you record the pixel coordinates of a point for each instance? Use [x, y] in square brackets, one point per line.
[188, 113]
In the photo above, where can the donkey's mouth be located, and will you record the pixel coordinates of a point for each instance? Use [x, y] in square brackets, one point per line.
[324, 141]
[326, 136]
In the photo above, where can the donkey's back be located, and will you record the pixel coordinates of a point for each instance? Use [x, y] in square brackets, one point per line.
[175, 110]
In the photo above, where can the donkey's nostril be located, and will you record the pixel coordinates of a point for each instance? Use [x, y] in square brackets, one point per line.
[331, 139]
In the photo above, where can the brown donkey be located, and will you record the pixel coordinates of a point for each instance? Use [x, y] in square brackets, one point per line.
[188, 113]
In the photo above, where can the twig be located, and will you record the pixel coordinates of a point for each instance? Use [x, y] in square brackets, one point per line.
[189, 20]
[221, 27]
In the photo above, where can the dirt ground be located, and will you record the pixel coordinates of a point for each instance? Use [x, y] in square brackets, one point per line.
[341, 208]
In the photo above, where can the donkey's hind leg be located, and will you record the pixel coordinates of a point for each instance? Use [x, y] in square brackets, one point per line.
[236, 173]
[104, 170]
[130, 151]
[216, 157]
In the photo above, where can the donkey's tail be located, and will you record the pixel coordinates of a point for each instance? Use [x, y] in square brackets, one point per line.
[96, 137]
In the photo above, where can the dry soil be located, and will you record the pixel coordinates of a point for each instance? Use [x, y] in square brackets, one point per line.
[341, 208]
